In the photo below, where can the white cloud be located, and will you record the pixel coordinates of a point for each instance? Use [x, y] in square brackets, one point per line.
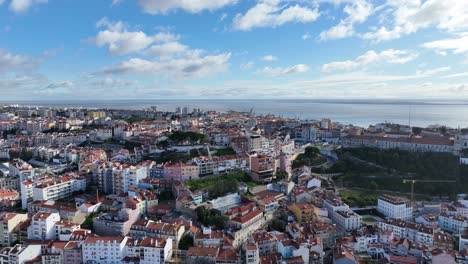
[274, 13]
[116, 2]
[161, 54]
[456, 45]
[455, 75]
[342, 30]
[19, 6]
[119, 39]
[371, 57]
[410, 16]
[192, 6]
[357, 12]
[434, 71]
[279, 71]
[269, 58]
[247, 66]
[167, 49]
[223, 17]
[197, 67]
[10, 62]
[56, 85]
[306, 36]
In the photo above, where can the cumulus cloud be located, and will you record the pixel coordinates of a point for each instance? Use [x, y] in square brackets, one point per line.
[342, 30]
[120, 40]
[10, 62]
[371, 57]
[280, 71]
[269, 58]
[165, 6]
[357, 12]
[19, 6]
[274, 13]
[410, 16]
[161, 54]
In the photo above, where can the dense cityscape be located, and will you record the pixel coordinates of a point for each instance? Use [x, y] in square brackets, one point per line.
[193, 186]
[234, 131]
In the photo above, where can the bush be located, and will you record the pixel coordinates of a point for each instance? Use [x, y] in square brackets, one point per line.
[211, 217]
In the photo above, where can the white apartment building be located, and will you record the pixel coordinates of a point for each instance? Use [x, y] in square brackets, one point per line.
[419, 144]
[43, 226]
[412, 231]
[58, 189]
[395, 207]
[463, 241]
[457, 208]
[19, 254]
[21, 169]
[252, 255]
[340, 213]
[103, 250]
[455, 224]
[26, 190]
[149, 250]
[347, 219]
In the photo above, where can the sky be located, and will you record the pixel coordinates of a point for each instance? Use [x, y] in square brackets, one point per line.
[233, 49]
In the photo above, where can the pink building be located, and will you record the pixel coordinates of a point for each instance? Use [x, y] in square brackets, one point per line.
[262, 168]
[181, 171]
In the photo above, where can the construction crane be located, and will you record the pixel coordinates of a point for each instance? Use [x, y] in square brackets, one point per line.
[423, 181]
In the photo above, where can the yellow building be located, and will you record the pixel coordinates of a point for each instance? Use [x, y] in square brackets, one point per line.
[97, 114]
[8, 221]
[304, 212]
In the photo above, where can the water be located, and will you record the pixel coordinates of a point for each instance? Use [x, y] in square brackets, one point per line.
[359, 112]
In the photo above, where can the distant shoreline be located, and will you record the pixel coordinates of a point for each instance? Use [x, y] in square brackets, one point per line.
[324, 101]
[359, 112]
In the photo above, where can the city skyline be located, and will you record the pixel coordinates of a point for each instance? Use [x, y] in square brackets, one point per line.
[232, 49]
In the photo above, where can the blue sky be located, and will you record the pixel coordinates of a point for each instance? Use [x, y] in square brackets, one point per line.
[233, 49]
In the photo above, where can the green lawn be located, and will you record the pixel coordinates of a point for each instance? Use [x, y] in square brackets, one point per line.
[368, 219]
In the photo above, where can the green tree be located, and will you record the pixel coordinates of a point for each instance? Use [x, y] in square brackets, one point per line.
[186, 242]
[164, 144]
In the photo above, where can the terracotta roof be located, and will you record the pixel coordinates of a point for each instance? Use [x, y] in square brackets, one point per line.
[202, 252]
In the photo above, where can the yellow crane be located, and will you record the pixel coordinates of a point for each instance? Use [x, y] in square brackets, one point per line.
[422, 181]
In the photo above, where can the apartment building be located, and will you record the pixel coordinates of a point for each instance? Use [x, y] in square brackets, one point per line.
[117, 178]
[20, 254]
[59, 188]
[43, 226]
[243, 221]
[414, 232]
[148, 228]
[181, 171]
[104, 250]
[222, 164]
[340, 213]
[419, 144]
[148, 250]
[395, 207]
[454, 224]
[262, 168]
[8, 222]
